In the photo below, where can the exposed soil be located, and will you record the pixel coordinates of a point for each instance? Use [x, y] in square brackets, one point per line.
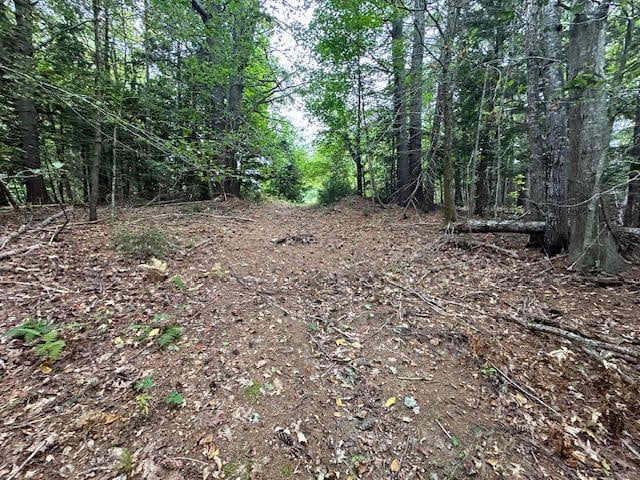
[318, 343]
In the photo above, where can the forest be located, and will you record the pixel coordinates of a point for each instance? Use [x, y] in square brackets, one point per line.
[319, 239]
[489, 106]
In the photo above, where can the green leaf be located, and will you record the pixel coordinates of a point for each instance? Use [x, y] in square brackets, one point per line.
[174, 398]
[454, 441]
[170, 335]
[145, 383]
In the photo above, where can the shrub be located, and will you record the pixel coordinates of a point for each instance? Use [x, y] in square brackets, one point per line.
[142, 245]
[333, 189]
[287, 182]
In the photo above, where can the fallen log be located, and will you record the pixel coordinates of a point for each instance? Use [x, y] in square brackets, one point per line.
[497, 226]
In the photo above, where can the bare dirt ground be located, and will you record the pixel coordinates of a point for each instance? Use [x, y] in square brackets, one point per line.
[318, 343]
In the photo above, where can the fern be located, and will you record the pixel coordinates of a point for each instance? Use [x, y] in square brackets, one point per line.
[30, 330]
[170, 335]
[50, 346]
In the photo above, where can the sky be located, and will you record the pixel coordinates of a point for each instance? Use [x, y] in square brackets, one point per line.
[291, 55]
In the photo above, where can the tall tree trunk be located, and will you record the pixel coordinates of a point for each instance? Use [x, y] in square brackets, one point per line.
[415, 104]
[25, 106]
[632, 209]
[447, 148]
[97, 122]
[556, 234]
[400, 111]
[592, 246]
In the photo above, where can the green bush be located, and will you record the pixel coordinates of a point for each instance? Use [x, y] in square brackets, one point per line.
[142, 245]
[333, 189]
[287, 182]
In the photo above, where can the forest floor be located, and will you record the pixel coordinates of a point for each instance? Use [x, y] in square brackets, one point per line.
[310, 343]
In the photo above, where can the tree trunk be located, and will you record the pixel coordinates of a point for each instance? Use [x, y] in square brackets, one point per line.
[535, 110]
[592, 246]
[556, 235]
[415, 109]
[97, 123]
[632, 208]
[25, 106]
[400, 111]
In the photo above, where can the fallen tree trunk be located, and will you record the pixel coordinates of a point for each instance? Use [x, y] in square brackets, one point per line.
[519, 226]
[496, 226]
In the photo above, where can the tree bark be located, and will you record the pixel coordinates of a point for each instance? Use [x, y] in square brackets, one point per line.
[535, 110]
[97, 122]
[25, 106]
[592, 246]
[415, 109]
[400, 111]
[632, 208]
[556, 234]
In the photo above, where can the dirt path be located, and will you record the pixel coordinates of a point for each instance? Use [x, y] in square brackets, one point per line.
[317, 343]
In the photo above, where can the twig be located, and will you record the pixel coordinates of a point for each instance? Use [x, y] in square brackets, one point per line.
[211, 215]
[198, 245]
[29, 284]
[575, 337]
[444, 430]
[45, 443]
[429, 301]
[191, 460]
[418, 379]
[526, 391]
[631, 449]
[16, 251]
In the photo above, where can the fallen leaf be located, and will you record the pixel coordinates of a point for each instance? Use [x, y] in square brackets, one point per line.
[390, 401]
[339, 402]
[213, 452]
[153, 332]
[395, 465]
[44, 368]
[341, 341]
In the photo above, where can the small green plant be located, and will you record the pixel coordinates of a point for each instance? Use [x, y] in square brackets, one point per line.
[178, 282]
[142, 245]
[287, 471]
[170, 335]
[143, 400]
[145, 383]
[43, 334]
[239, 471]
[174, 399]
[124, 465]
[30, 330]
[253, 391]
[50, 346]
[487, 371]
[167, 335]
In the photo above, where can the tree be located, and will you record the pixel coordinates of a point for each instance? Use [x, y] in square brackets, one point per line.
[556, 234]
[25, 105]
[400, 109]
[415, 103]
[592, 245]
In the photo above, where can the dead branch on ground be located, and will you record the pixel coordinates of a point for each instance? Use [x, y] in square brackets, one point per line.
[590, 342]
